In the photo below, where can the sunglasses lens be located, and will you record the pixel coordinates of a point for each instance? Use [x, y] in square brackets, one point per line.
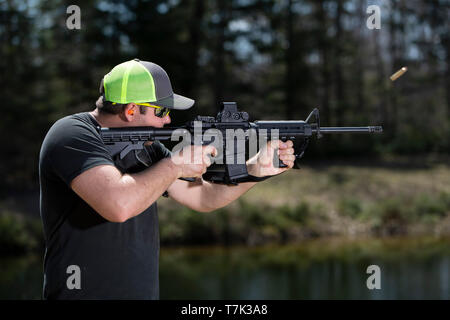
[161, 112]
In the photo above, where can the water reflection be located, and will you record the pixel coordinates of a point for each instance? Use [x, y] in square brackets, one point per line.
[320, 269]
[332, 269]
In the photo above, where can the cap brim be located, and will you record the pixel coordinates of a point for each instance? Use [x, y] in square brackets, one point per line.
[175, 101]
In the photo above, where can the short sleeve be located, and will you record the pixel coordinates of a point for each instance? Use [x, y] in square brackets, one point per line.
[74, 147]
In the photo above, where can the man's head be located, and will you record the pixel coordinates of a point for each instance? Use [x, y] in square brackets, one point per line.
[139, 93]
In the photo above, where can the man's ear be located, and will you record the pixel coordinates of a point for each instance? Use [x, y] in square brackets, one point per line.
[130, 111]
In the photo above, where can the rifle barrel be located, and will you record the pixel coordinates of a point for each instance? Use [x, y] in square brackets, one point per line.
[370, 129]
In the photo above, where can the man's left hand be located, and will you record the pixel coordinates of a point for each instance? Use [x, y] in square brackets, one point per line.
[262, 164]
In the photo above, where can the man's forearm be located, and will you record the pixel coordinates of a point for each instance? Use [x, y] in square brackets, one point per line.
[228, 193]
[144, 188]
[215, 196]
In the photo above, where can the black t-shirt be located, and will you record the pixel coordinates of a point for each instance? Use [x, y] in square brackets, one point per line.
[115, 260]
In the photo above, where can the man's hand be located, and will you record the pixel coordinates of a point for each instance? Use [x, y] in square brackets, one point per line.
[262, 163]
[192, 161]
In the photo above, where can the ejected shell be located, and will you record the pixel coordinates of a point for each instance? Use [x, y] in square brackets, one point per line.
[399, 73]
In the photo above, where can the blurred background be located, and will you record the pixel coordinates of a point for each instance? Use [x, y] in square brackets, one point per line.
[307, 234]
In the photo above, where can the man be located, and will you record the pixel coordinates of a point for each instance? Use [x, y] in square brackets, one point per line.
[99, 215]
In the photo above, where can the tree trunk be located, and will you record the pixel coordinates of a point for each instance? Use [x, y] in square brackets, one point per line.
[340, 96]
[220, 76]
[383, 103]
[359, 64]
[394, 66]
[195, 32]
[324, 48]
[290, 61]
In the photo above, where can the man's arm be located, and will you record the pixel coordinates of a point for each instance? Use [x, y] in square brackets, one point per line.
[204, 196]
[118, 197]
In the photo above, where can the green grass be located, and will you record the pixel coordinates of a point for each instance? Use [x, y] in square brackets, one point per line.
[334, 201]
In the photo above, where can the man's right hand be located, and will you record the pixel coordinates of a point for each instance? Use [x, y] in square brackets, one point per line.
[192, 161]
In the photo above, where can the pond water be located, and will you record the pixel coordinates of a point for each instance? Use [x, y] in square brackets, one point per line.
[410, 268]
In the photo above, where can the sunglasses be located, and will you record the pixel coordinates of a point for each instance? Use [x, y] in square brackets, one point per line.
[160, 112]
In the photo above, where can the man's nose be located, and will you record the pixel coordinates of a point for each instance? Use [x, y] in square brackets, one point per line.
[167, 119]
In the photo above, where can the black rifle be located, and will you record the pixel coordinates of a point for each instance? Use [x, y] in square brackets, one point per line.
[121, 141]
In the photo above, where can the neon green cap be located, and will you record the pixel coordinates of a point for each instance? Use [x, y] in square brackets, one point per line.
[142, 81]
